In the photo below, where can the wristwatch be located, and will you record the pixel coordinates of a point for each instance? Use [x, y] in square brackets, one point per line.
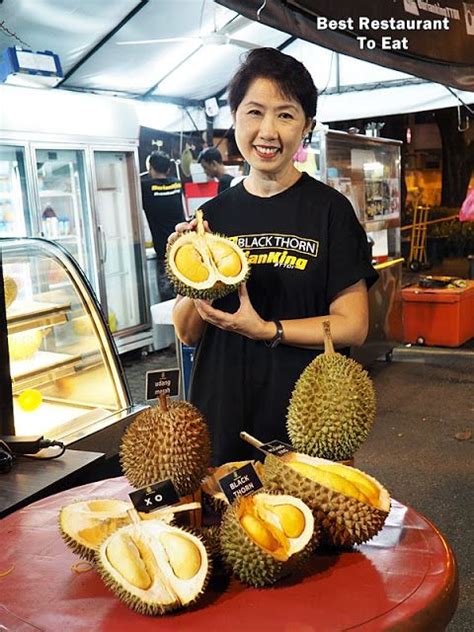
[277, 338]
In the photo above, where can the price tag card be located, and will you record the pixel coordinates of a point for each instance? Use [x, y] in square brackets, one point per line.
[277, 448]
[155, 496]
[163, 381]
[243, 481]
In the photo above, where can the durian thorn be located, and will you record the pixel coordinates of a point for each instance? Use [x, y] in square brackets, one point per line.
[200, 223]
[252, 440]
[163, 402]
[134, 516]
[328, 344]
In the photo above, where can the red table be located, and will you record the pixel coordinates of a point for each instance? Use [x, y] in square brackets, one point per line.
[405, 579]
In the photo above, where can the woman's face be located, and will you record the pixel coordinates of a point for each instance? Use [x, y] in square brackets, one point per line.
[269, 127]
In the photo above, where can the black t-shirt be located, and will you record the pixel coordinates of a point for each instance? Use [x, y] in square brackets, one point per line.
[224, 182]
[305, 245]
[163, 206]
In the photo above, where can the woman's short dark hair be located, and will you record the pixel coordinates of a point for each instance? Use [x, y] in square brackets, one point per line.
[291, 76]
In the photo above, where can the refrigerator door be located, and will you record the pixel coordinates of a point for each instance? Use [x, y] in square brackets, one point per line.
[14, 201]
[64, 212]
[119, 242]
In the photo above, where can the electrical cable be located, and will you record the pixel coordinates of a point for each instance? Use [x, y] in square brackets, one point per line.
[46, 443]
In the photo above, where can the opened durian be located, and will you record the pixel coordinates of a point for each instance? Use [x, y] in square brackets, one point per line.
[24, 345]
[168, 441]
[350, 506]
[332, 407]
[11, 290]
[84, 524]
[205, 265]
[154, 567]
[211, 488]
[265, 536]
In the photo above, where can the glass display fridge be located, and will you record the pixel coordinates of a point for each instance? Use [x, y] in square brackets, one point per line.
[367, 171]
[60, 374]
[74, 180]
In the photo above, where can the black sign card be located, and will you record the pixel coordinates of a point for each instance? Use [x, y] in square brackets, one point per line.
[163, 381]
[243, 481]
[155, 496]
[277, 448]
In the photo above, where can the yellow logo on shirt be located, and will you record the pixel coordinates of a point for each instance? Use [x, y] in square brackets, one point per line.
[282, 250]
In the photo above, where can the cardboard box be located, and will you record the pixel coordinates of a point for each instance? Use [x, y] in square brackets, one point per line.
[440, 317]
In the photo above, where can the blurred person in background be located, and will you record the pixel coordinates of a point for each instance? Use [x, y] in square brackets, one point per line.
[211, 161]
[162, 197]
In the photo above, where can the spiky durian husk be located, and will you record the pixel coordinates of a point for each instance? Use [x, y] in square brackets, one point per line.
[161, 444]
[344, 521]
[11, 290]
[150, 608]
[249, 562]
[88, 552]
[218, 290]
[332, 408]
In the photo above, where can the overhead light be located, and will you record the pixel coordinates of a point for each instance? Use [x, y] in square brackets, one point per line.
[21, 67]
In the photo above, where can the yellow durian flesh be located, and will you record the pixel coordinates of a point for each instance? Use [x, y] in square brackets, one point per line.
[225, 258]
[154, 567]
[124, 555]
[345, 514]
[183, 555]
[85, 524]
[11, 290]
[273, 523]
[24, 345]
[190, 263]
[357, 478]
[331, 480]
[205, 265]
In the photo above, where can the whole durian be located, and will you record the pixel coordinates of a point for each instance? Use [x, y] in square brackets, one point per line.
[154, 567]
[205, 265]
[168, 441]
[264, 537]
[349, 505]
[11, 290]
[332, 407]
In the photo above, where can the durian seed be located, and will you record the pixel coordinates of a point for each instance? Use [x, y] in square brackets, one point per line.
[225, 258]
[190, 263]
[183, 555]
[259, 533]
[291, 519]
[124, 555]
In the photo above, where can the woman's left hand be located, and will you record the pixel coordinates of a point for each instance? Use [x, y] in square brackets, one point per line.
[244, 321]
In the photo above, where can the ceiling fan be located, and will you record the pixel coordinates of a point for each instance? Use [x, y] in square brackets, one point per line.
[211, 39]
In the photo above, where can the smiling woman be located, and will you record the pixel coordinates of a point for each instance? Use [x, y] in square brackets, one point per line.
[309, 262]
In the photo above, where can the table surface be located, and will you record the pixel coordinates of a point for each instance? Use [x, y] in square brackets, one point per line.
[32, 479]
[404, 579]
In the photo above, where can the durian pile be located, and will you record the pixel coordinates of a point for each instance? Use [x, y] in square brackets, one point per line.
[205, 265]
[306, 501]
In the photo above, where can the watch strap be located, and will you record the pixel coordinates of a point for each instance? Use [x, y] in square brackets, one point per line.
[277, 338]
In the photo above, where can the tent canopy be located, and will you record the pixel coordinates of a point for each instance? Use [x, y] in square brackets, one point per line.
[187, 51]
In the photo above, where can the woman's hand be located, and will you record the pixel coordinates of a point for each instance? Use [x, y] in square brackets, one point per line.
[244, 321]
[182, 227]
